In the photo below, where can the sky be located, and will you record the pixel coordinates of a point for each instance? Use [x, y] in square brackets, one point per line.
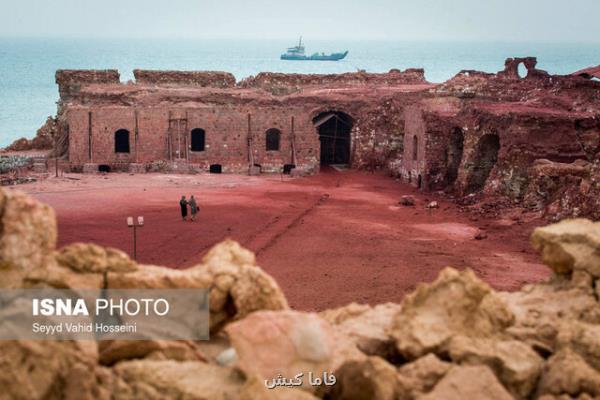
[427, 20]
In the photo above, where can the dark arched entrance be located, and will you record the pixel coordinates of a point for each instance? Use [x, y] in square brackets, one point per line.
[334, 134]
[454, 154]
[486, 156]
[122, 141]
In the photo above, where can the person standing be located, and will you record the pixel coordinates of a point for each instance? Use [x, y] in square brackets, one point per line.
[183, 204]
[193, 207]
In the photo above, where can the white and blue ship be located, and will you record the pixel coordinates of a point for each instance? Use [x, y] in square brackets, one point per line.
[296, 53]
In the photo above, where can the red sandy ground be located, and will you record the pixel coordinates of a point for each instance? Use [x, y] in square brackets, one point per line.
[328, 240]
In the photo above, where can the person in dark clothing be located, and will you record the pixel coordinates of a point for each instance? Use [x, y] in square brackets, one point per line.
[183, 204]
[193, 207]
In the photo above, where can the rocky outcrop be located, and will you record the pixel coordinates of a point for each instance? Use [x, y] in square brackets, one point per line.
[43, 140]
[457, 303]
[454, 338]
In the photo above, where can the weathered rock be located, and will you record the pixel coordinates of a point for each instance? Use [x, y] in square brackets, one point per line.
[237, 286]
[570, 245]
[567, 373]
[515, 363]
[91, 258]
[421, 375]
[168, 379]
[468, 382]
[539, 310]
[114, 351]
[54, 275]
[457, 303]
[40, 369]
[367, 326]
[407, 201]
[583, 338]
[270, 343]
[370, 378]
[28, 236]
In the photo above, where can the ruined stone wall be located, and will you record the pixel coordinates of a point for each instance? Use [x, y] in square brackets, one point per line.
[185, 78]
[226, 136]
[269, 80]
[71, 81]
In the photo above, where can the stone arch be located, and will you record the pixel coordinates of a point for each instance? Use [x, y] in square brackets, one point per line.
[454, 154]
[333, 128]
[197, 139]
[522, 70]
[484, 160]
[273, 139]
[122, 141]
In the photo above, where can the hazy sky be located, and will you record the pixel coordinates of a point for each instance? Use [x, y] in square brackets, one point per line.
[506, 20]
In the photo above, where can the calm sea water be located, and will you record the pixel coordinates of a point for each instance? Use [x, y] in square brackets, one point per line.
[28, 93]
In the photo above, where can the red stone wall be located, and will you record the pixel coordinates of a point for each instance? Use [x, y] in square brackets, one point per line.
[185, 78]
[226, 130]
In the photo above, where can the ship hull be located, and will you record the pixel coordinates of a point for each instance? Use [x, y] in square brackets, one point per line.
[315, 57]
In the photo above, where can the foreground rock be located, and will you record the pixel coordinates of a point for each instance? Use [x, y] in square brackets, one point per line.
[457, 303]
[469, 382]
[454, 338]
[288, 343]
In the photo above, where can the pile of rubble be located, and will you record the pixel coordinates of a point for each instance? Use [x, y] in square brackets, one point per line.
[455, 338]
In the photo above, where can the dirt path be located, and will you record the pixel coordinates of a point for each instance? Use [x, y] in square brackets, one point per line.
[328, 240]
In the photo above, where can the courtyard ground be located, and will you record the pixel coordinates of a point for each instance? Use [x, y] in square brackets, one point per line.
[328, 239]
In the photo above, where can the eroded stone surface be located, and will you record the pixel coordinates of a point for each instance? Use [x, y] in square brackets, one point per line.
[457, 303]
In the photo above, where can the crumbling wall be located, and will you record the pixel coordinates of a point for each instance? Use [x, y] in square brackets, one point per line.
[70, 81]
[211, 79]
[164, 133]
[272, 80]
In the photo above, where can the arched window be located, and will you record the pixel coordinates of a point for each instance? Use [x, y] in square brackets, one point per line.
[415, 148]
[122, 141]
[198, 139]
[273, 137]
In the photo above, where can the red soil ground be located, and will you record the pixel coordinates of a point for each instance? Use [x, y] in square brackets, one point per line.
[328, 240]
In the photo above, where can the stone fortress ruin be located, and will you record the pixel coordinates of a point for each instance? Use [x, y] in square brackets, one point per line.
[523, 139]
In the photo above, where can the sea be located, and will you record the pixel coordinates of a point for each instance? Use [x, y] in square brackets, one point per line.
[28, 93]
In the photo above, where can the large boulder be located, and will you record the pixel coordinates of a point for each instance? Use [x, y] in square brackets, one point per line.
[286, 343]
[28, 236]
[237, 286]
[570, 245]
[33, 370]
[515, 363]
[91, 258]
[367, 326]
[369, 378]
[540, 310]
[583, 338]
[567, 373]
[468, 382]
[113, 351]
[457, 303]
[421, 375]
[169, 379]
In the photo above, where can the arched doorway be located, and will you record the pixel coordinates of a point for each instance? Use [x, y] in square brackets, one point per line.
[122, 141]
[334, 134]
[272, 139]
[198, 139]
[486, 156]
[454, 154]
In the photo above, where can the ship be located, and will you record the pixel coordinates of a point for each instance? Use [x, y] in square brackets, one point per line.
[296, 53]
